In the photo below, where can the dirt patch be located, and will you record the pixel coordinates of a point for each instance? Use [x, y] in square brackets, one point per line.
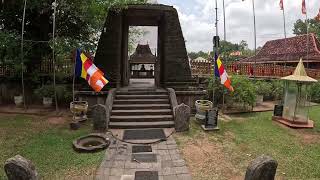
[206, 160]
[309, 138]
[56, 120]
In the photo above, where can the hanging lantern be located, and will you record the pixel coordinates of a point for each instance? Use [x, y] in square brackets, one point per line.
[296, 100]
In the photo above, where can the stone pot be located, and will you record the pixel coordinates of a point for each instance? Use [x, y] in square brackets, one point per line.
[202, 106]
[47, 102]
[18, 100]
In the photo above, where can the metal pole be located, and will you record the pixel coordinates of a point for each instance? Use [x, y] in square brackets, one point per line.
[307, 23]
[53, 54]
[216, 52]
[224, 23]
[255, 37]
[22, 53]
[285, 35]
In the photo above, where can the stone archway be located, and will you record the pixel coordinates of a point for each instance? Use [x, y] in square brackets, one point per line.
[112, 58]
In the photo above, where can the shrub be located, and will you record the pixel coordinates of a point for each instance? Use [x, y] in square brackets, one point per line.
[314, 91]
[45, 91]
[244, 91]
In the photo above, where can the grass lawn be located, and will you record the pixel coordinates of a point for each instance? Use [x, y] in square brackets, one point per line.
[48, 144]
[226, 154]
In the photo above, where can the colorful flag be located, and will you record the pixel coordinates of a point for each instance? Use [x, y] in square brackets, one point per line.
[318, 16]
[281, 4]
[220, 72]
[304, 9]
[88, 71]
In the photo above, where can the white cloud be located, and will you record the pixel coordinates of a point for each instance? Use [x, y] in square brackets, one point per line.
[197, 18]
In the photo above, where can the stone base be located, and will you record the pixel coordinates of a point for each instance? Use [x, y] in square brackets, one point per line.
[80, 118]
[210, 128]
[292, 124]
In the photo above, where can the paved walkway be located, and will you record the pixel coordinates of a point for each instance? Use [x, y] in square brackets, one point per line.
[118, 164]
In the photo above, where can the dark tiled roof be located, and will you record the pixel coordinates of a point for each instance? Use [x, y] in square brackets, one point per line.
[290, 49]
[143, 55]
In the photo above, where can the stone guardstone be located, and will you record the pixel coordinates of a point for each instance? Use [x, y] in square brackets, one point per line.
[182, 116]
[262, 168]
[19, 168]
[99, 117]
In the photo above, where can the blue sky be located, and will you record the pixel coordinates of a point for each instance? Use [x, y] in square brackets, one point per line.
[197, 20]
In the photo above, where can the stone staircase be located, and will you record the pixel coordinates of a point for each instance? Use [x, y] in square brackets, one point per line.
[141, 108]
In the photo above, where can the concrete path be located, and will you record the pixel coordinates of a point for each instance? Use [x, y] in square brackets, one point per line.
[118, 164]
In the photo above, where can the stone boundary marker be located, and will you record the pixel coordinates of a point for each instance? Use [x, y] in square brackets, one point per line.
[20, 168]
[262, 168]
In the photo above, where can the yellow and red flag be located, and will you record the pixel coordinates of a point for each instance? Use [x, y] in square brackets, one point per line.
[88, 71]
[221, 72]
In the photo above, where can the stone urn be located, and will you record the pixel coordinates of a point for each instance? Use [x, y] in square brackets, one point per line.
[79, 110]
[202, 106]
[18, 100]
[47, 101]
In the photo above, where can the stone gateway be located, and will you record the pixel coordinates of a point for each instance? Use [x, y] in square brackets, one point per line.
[172, 66]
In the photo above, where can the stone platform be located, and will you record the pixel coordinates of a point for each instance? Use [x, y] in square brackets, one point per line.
[118, 163]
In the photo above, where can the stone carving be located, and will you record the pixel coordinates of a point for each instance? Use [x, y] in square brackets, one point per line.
[19, 168]
[181, 118]
[262, 168]
[99, 117]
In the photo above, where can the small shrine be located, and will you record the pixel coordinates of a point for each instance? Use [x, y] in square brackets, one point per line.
[295, 109]
[142, 62]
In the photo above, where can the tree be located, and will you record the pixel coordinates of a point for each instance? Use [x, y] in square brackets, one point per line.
[300, 27]
[78, 24]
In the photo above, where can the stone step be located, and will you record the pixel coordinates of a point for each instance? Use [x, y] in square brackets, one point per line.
[140, 106]
[135, 92]
[145, 96]
[141, 118]
[136, 125]
[142, 112]
[141, 101]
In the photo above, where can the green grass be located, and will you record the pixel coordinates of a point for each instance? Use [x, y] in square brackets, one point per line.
[254, 134]
[48, 146]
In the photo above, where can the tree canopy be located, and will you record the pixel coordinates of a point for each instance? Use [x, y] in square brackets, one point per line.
[300, 27]
[78, 24]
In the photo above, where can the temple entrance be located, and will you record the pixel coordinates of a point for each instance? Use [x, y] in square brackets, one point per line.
[172, 65]
[142, 53]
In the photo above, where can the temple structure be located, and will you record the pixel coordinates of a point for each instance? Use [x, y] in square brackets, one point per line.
[201, 67]
[142, 62]
[278, 58]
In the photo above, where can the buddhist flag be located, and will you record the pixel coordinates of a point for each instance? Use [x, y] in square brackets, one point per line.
[220, 72]
[318, 16]
[281, 4]
[304, 9]
[88, 71]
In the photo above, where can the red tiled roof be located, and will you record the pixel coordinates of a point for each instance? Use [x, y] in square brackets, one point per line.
[290, 49]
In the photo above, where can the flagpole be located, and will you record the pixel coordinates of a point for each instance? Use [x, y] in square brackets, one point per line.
[224, 23]
[53, 54]
[255, 37]
[22, 53]
[285, 32]
[74, 75]
[216, 53]
[307, 23]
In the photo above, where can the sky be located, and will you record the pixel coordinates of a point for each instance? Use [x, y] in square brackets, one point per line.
[197, 18]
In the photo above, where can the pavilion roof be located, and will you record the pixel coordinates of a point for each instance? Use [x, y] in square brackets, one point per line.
[290, 50]
[143, 55]
[299, 74]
